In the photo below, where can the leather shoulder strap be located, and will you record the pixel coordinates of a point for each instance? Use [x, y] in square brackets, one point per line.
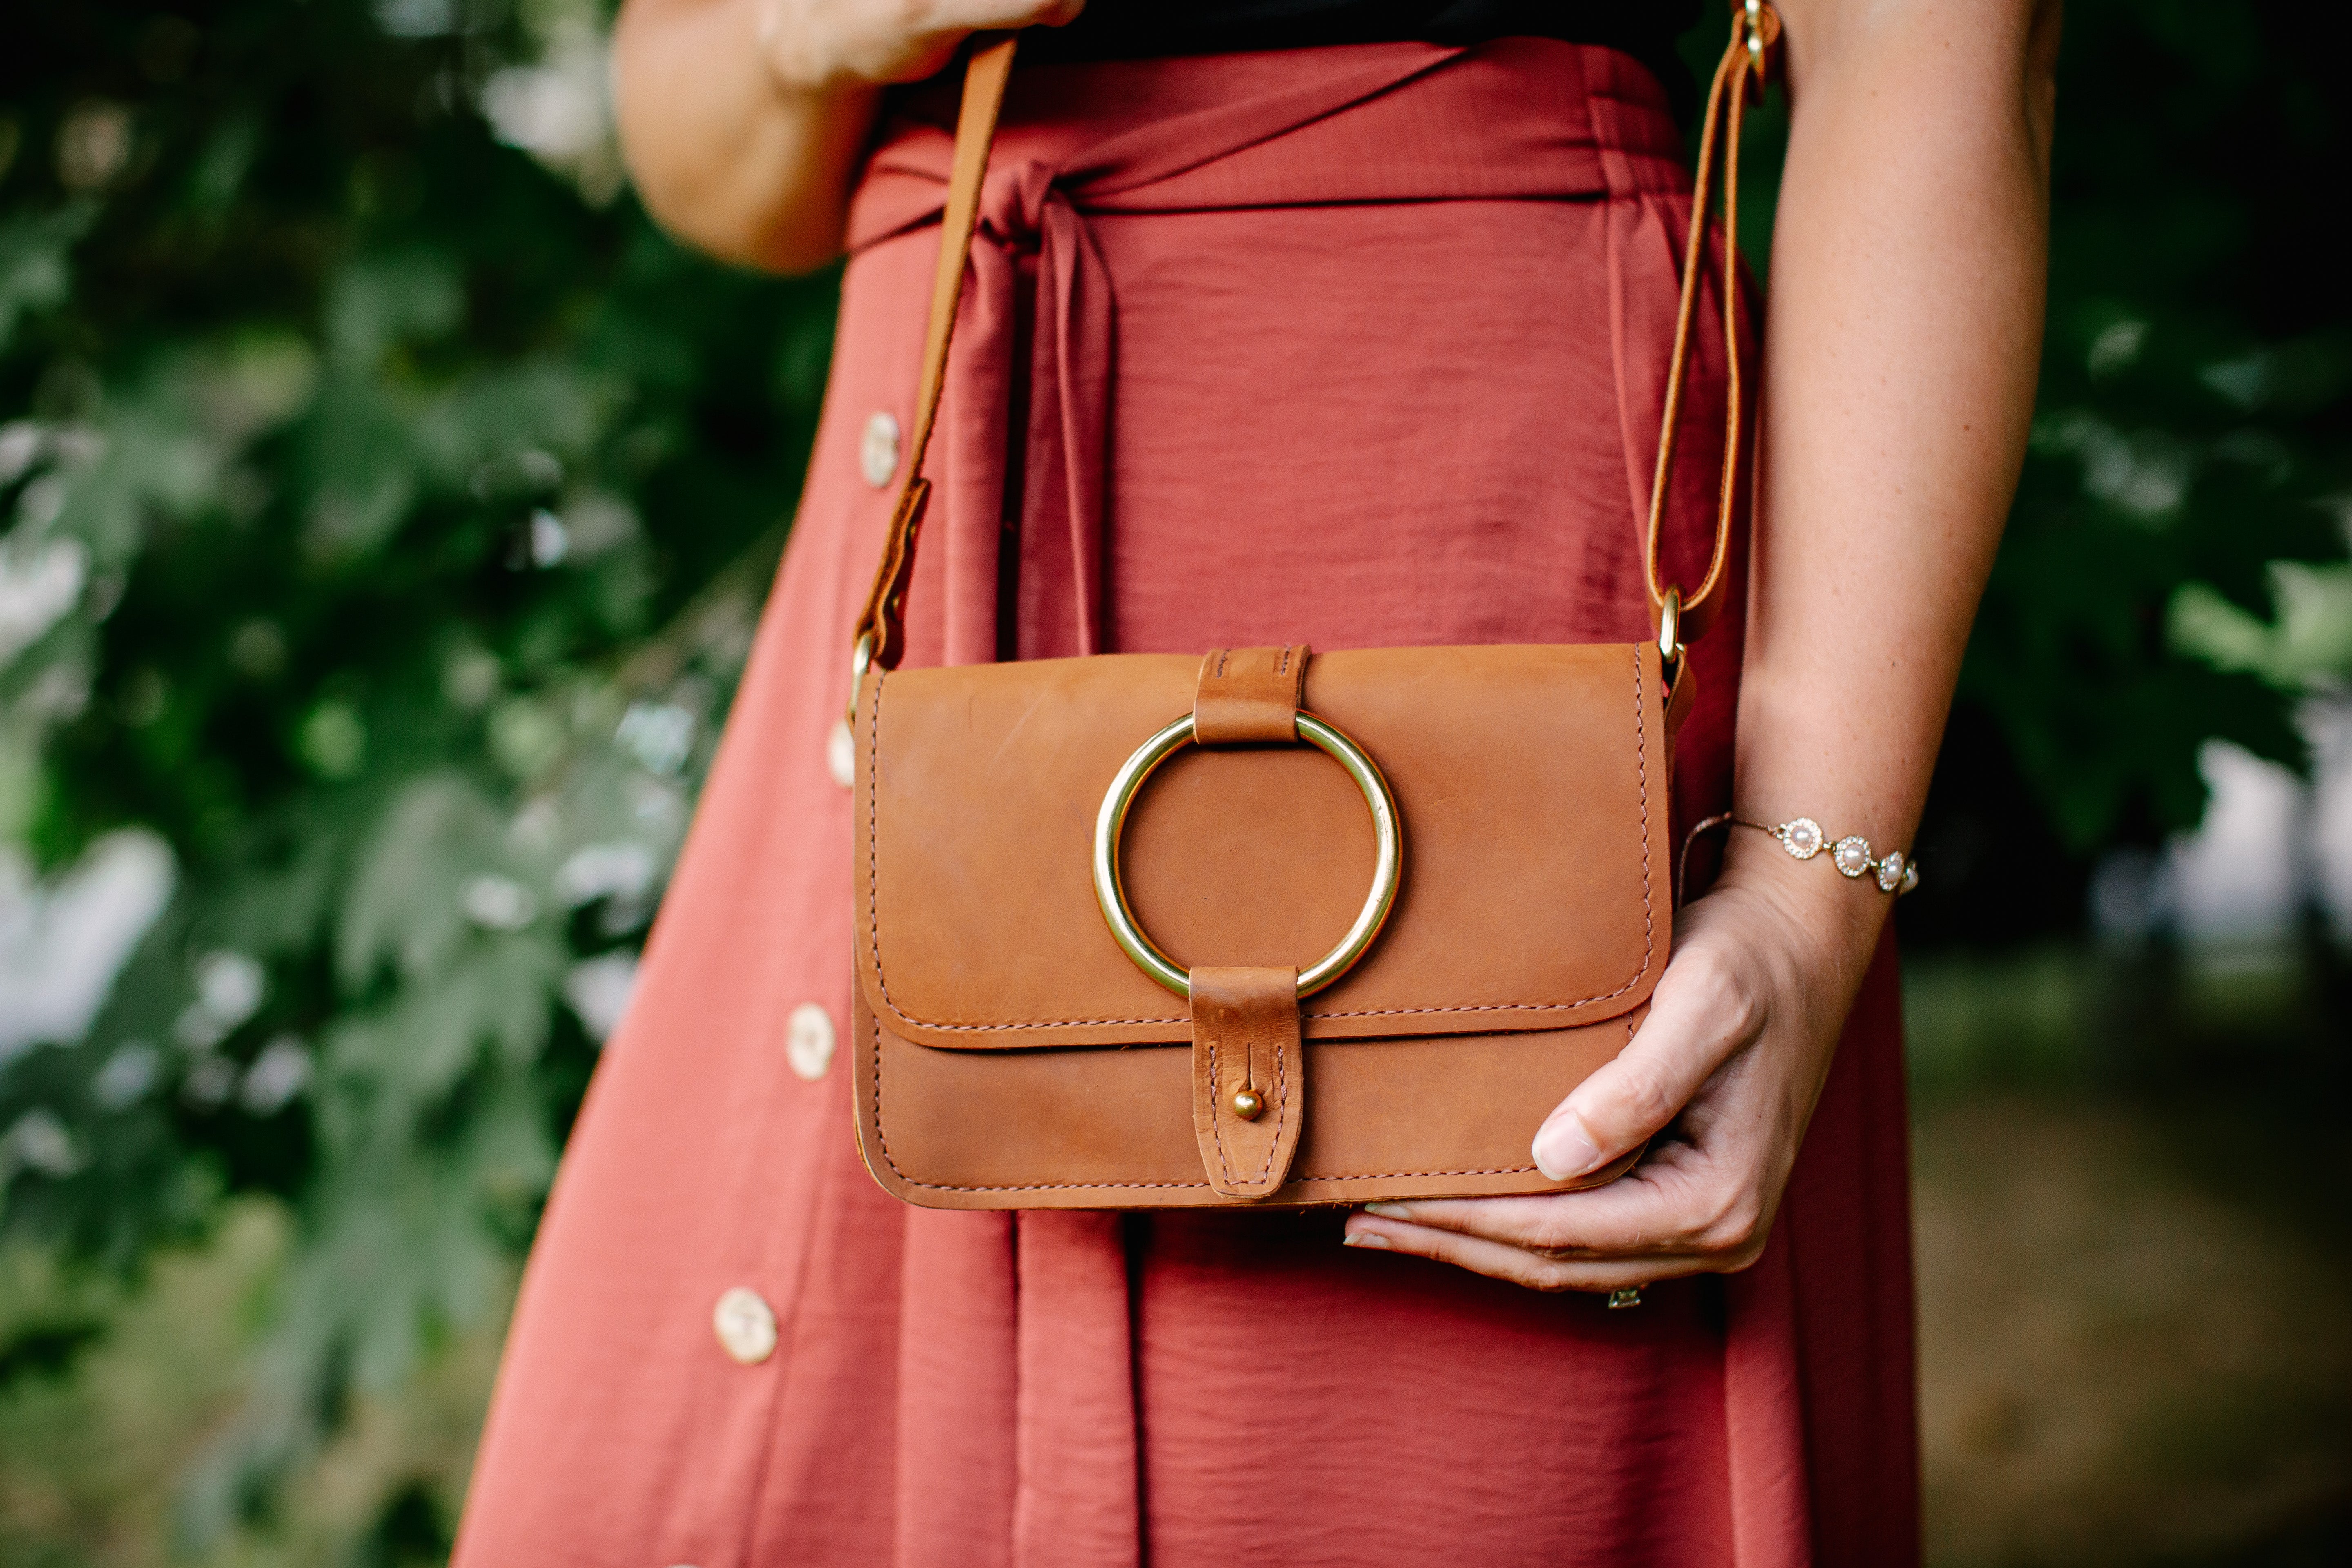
[1681, 618]
[880, 636]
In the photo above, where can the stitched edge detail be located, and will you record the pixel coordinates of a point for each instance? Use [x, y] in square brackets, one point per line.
[1281, 1103]
[1217, 1121]
[882, 1142]
[1642, 773]
[882, 979]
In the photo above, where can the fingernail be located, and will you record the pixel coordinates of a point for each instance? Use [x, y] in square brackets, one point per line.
[1564, 1149]
[1389, 1211]
[1371, 1238]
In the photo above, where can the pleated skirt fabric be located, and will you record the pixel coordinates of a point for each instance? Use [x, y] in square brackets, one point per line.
[1360, 346]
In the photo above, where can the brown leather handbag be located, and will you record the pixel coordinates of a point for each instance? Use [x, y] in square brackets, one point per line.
[1034, 841]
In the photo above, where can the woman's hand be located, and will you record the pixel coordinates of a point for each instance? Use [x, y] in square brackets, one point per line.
[744, 120]
[1731, 1058]
[818, 45]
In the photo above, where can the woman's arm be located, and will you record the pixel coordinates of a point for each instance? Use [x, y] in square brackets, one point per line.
[1904, 328]
[742, 119]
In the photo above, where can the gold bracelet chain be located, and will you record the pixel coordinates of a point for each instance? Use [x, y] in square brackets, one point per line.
[1803, 839]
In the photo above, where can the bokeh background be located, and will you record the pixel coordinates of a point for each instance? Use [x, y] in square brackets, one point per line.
[384, 508]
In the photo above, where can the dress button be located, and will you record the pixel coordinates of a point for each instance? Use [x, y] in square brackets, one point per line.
[877, 453]
[746, 1326]
[808, 1040]
[841, 753]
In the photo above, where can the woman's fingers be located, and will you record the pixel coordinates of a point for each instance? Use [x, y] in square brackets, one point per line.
[1681, 1200]
[983, 15]
[1731, 1055]
[1517, 1265]
[818, 44]
[1701, 1013]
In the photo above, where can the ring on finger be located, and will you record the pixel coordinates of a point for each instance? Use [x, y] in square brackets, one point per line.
[1630, 1296]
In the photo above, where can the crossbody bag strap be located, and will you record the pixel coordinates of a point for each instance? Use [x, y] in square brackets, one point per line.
[880, 636]
[1681, 616]
[880, 633]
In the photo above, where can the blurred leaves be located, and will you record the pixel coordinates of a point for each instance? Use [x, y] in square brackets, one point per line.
[369, 473]
[2195, 407]
[33, 270]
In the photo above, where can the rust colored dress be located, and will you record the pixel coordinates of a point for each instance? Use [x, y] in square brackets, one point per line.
[1359, 346]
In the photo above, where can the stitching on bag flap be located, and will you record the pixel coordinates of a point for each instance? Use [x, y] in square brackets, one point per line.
[882, 978]
[1217, 1121]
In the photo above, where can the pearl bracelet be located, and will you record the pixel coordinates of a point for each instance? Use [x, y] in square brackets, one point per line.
[1802, 837]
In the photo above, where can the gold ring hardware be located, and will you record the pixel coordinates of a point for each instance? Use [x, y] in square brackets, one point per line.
[1762, 27]
[1388, 867]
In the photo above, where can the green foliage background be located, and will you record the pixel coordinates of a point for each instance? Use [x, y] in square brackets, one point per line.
[387, 508]
[309, 380]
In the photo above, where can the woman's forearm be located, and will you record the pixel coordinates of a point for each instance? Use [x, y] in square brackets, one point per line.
[725, 152]
[1905, 326]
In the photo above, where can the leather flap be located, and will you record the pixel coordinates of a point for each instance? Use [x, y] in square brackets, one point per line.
[1531, 784]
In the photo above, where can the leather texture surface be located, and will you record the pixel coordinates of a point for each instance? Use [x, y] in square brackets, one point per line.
[1010, 1055]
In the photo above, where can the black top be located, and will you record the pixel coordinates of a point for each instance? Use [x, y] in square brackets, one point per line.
[1149, 30]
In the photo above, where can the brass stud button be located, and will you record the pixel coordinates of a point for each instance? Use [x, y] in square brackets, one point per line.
[746, 1326]
[1247, 1104]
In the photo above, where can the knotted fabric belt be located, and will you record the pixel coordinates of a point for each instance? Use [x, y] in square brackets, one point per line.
[1514, 120]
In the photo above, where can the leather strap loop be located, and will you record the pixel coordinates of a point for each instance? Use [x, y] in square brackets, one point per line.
[1249, 1077]
[1249, 694]
[1744, 67]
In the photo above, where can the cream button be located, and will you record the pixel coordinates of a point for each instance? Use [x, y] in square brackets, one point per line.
[808, 1040]
[877, 452]
[841, 753]
[746, 1326]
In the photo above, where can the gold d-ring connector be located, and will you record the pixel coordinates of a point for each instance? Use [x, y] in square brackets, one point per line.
[1670, 633]
[1387, 845]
